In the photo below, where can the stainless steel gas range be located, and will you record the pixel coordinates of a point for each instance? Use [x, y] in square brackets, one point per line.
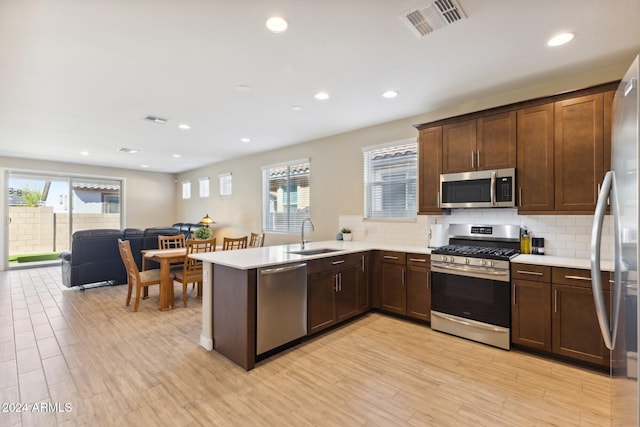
[470, 283]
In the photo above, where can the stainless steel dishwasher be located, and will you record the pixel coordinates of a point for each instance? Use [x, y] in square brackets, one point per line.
[281, 306]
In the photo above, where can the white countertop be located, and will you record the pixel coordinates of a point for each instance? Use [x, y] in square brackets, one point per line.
[557, 261]
[246, 259]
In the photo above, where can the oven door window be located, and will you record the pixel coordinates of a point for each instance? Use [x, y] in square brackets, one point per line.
[475, 190]
[483, 300]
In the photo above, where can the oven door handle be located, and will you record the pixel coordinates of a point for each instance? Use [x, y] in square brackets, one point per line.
[492, 191]
[462, 322]
[471, 270]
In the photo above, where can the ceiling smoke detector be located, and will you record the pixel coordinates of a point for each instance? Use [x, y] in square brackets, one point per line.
[154, 119]
[432, 16]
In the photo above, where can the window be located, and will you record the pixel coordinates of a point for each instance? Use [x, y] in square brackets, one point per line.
[204, 187]
[225, 184]
[390, 181]
[286, 196]
[186, 189]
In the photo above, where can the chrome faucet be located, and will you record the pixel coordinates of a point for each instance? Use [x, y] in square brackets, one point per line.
[313, 228]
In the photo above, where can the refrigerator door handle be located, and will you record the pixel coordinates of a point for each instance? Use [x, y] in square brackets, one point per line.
[607, 328]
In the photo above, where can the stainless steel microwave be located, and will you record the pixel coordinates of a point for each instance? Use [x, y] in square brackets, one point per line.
[478, 189]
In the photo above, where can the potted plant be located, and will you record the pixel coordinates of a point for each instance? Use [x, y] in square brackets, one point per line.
[202, 233]
[346, 234]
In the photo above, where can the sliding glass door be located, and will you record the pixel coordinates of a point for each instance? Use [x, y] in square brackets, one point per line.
[44, 211]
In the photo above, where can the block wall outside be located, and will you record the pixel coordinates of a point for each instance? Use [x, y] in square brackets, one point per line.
[39, 229]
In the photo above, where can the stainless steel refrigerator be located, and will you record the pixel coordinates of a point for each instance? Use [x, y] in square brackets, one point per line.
[620, 188]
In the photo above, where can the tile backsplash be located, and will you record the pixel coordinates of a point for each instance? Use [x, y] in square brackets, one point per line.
[565, 235]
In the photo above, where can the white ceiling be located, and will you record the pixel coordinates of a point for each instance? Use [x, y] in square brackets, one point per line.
[81, 75]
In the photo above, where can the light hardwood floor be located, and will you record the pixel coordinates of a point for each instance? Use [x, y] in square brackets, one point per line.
[116, 367]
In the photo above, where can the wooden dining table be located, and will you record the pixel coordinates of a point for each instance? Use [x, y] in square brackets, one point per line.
[165, 257]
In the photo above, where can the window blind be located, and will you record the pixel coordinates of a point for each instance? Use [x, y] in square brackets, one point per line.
[390, 181]
[286, 196]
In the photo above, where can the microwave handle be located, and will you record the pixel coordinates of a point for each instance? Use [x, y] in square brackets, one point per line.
[493, 188]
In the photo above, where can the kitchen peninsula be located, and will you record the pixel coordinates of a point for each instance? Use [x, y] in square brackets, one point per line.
[229, 307]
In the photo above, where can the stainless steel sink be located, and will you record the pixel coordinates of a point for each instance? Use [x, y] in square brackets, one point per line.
[314, 251]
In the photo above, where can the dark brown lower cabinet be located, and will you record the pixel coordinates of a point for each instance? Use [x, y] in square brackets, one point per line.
[337, 289]
[552, 310]
[531, 314]
[576, 333]
[404, 284]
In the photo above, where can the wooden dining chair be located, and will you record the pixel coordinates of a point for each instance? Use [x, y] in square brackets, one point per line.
[171, 242]
[135, 277]
[256, 240]
[230, 243]
[192, 269]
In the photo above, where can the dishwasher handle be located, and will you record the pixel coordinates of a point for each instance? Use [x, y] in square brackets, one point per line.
[282, 269]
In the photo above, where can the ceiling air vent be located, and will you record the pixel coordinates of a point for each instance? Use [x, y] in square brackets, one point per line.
[432, 16]
[155, 119]
[128, 150]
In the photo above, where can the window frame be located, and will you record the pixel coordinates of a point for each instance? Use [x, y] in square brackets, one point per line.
[385, 210]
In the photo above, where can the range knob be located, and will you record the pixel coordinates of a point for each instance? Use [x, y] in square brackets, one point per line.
[493, 264]
[467, 261]
[484, 262]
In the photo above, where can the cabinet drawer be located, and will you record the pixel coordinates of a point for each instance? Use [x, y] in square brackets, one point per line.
[333, 263]
[419, 260]
[392, 257]
[535, 273]
[577, 277]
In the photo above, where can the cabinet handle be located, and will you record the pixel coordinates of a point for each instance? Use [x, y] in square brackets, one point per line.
[390, 257]
[362, 263]
[335, 280]
[513, 291]
[438, 199]
[337, 262]
[578, 278]
[340, 281]
[532, 273]
[417, 260]
[555, 300]
[478, 158]
[472, 160]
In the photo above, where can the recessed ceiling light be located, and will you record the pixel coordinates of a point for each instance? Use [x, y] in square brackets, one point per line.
[243, 88]
[144, 166]
[84, 153]
[390, 94]
[245, 140]
[321, 96]
[296, 107]
[184, 126]
[276, 24]
[177, 156]
[560, 39]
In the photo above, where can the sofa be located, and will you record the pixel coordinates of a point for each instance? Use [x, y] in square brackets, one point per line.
[95, 257]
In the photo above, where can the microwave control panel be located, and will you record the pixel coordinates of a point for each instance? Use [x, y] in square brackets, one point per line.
[504, 190]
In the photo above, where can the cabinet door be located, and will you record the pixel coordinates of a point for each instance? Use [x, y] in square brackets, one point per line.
[459, 147]
[496, 141]
[579, 152]
[531, 314]
[535, 159]
[320, 301]
[575, 330]
[346, 295]
[393, 295]
[418, 292]
[429, 169]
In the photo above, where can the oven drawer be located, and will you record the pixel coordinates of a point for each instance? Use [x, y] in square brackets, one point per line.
[577, 277]
[535, 273]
